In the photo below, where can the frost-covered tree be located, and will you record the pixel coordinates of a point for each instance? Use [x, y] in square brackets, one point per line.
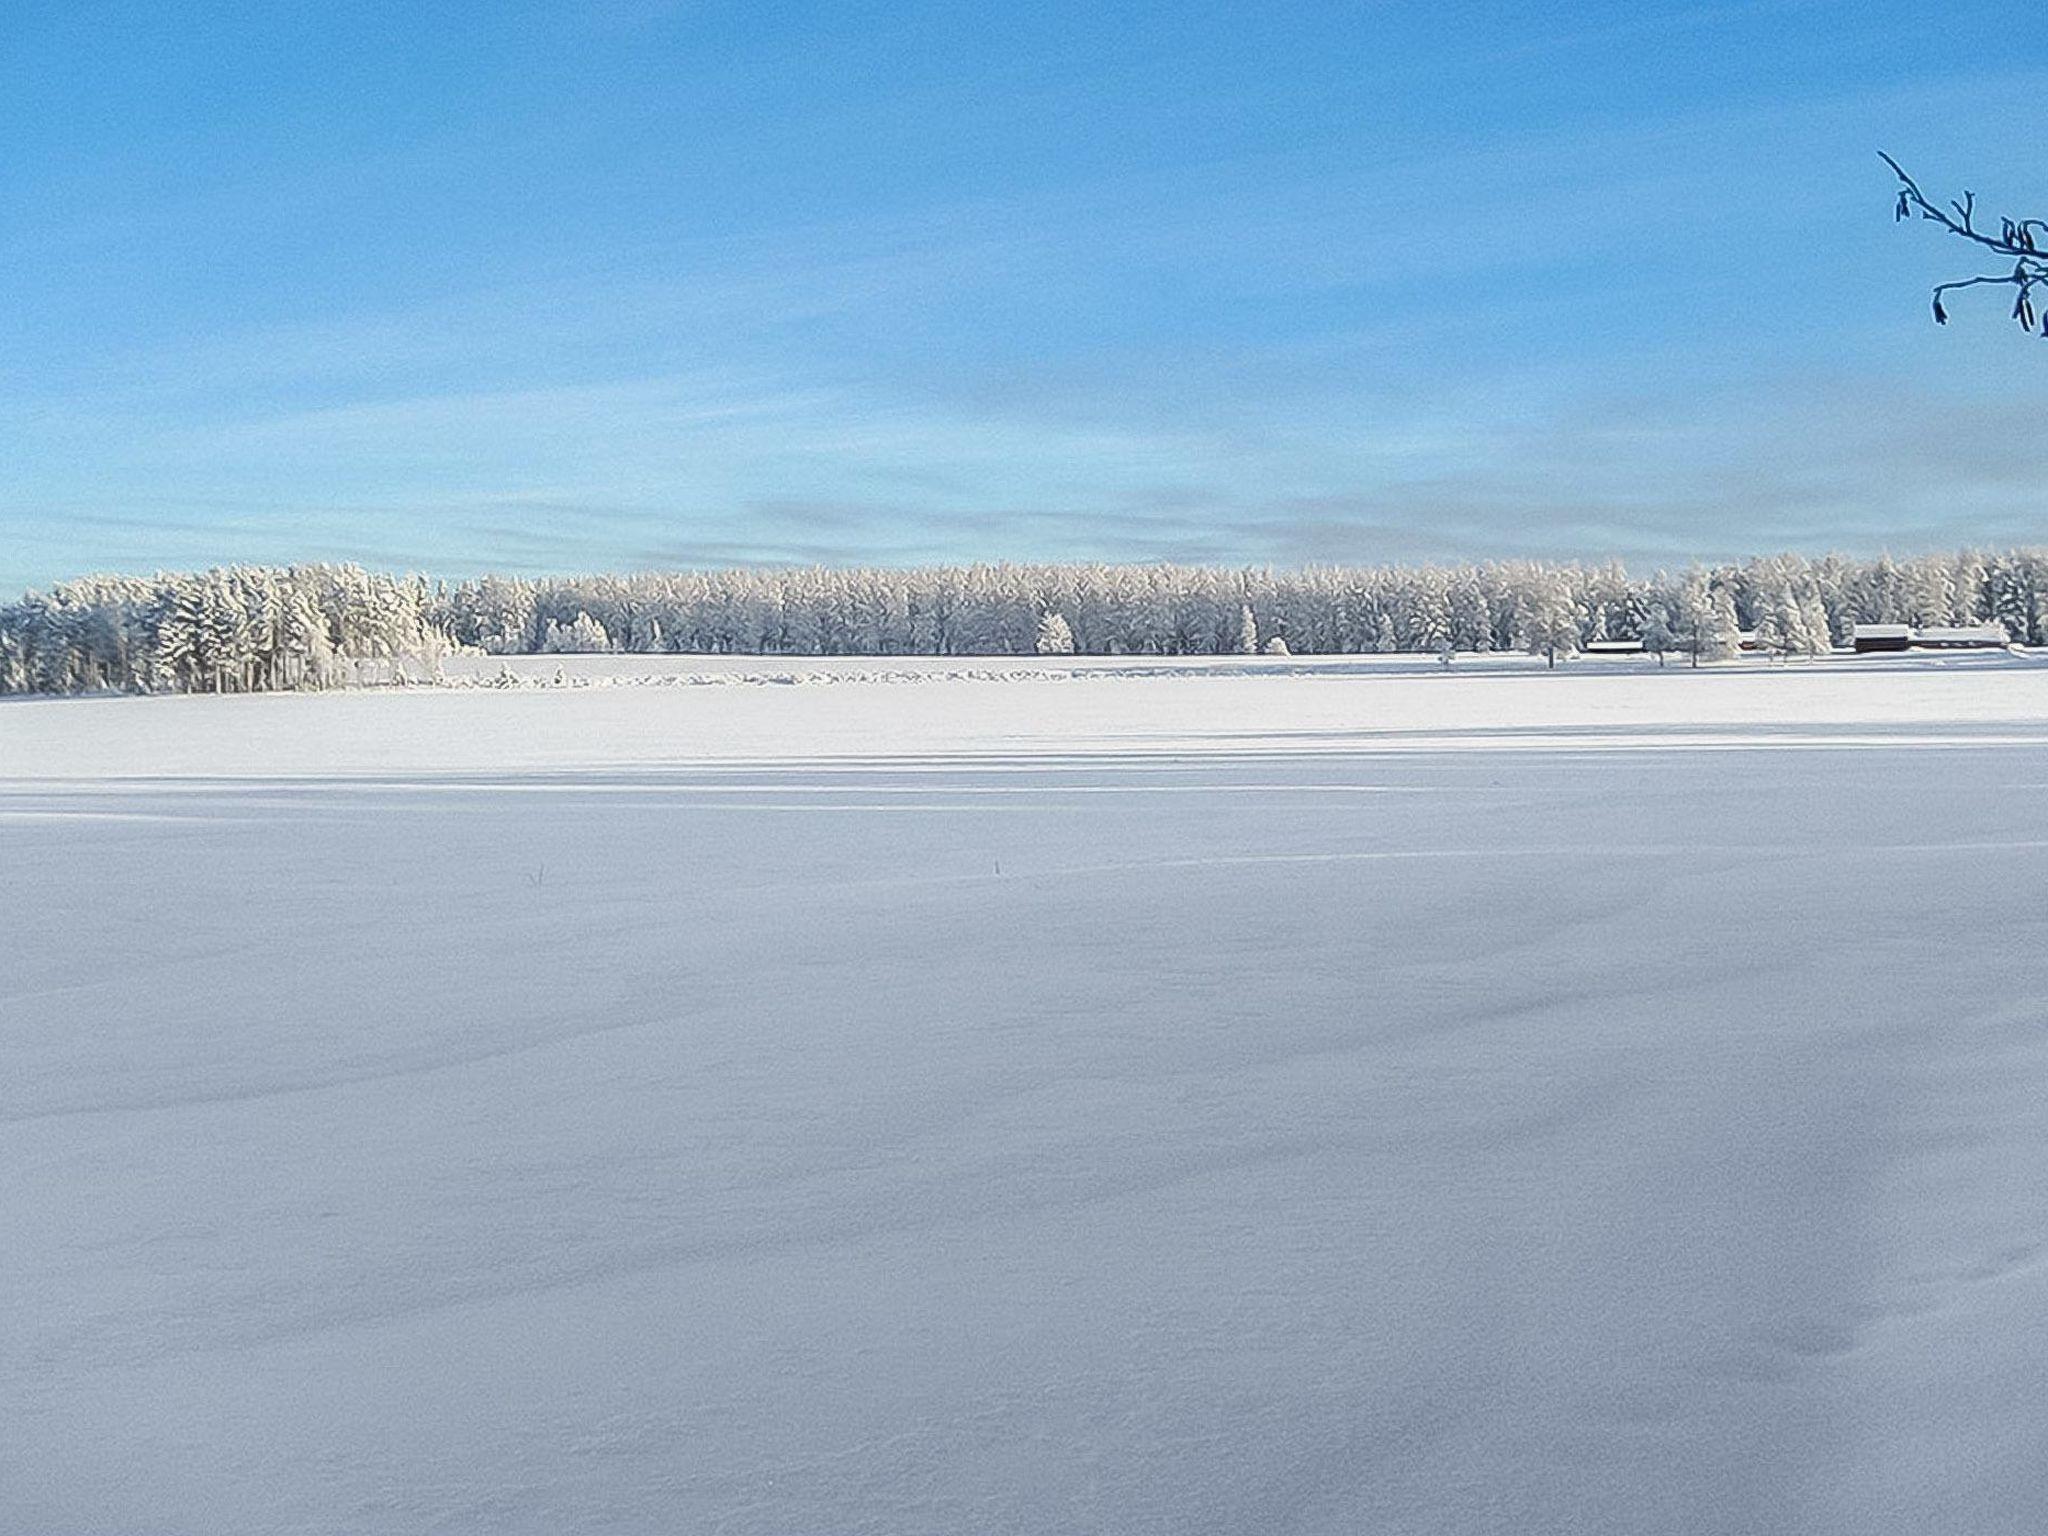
[1657, 639]
[1547, 622]
[1776, 622]
[1933, 593]
[1428, 609]
[1386, 639]
[1707, 625]
[1055, 636]
[582, 635]
[1247, 632]
[1814, 630]
[2011, 597]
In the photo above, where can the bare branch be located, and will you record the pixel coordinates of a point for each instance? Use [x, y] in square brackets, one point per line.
[2019, 239]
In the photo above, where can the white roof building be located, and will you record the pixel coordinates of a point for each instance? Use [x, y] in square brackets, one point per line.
[1963, 635]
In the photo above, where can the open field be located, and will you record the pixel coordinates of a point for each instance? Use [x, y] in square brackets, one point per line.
[1239, 1095]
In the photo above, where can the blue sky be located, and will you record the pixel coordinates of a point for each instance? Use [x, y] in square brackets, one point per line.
[618, 283]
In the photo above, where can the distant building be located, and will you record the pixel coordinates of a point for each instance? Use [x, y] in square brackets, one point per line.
[1614, 647]
[1882, 637]
[1937, 637]
[1972, 637]
[1746, 640]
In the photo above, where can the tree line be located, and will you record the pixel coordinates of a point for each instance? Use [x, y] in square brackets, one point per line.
[237, 629]
[245, 629]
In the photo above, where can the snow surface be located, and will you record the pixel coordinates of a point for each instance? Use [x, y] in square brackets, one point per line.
[1099, 1097]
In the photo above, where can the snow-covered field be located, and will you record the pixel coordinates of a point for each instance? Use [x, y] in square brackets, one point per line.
[961, 1097]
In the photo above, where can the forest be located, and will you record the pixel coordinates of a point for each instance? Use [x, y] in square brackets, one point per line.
[238, 629]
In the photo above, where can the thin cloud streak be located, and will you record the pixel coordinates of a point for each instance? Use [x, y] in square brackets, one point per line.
[1810, 464]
